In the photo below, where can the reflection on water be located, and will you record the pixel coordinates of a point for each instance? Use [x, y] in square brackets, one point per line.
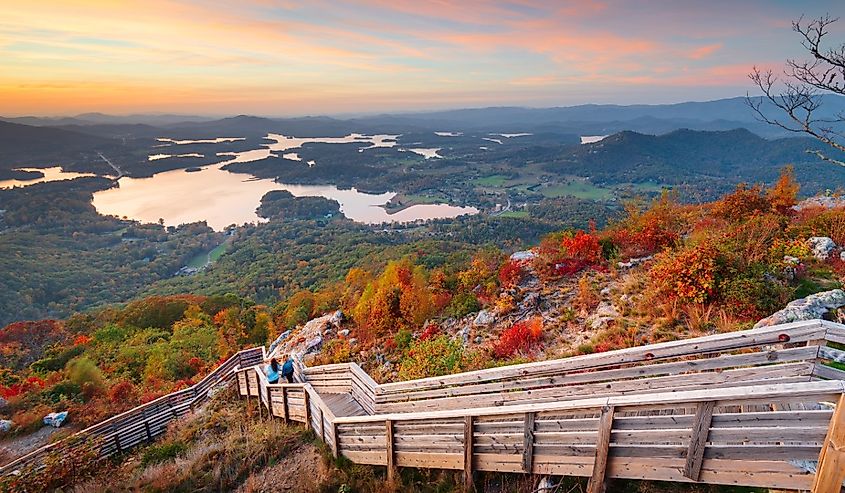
[218, 140]
[285, 142]
[427, 153]
[592, 139]
[55, 173]
[156, 157]
[222, 198]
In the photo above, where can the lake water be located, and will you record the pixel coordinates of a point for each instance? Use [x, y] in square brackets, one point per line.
[592, 139]
[222, 198]
[427, 153]
[55, 173]
[156, 157]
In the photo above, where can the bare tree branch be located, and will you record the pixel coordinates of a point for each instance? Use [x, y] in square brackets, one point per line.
[797, 95]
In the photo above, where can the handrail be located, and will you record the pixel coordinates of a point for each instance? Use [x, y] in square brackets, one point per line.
[153, 424]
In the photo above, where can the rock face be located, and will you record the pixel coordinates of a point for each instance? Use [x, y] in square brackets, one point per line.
[822, 246]
[484, 318]
[826, 202]
[308, 338]
[813, 306]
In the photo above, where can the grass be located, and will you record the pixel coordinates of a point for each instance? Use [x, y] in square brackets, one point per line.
[514, 214]
[579, 189]
[491, 181]
[212, 255]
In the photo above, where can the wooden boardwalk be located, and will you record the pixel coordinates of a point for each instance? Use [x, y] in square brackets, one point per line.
[763, 408]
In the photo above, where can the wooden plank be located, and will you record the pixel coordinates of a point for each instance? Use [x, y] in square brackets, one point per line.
[698, 441]
[831, 469]
[335, 445]
[469, 483]
[828, 372]
[307, 407]
[286, 414]
[597, 479]
[391, 453]
[528, 443]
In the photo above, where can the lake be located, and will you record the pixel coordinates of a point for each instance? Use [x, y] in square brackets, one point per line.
[55, 173]
[222, 198]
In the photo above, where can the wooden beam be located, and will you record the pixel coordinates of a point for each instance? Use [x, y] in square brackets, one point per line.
[469, 484]
[391, 453]
[269, 403]
[322, 425]
[258, 392]
[335, 446]
[698, 440]
[528, 443]
[286, 413]
[831, 470]
[306, 398]
[597, 484]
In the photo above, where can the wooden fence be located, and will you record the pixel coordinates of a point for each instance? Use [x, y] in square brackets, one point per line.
[754, 408]
[145, 422]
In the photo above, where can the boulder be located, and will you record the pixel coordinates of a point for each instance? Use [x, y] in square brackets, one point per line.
[809, 308]
[485, 318]
[632, 262]
[523, 256]
[336, 318]
[314, 344]
[55, 419]
[823, 201]
[6, 425]
[822, 246]
[606, 309]
[343, 333]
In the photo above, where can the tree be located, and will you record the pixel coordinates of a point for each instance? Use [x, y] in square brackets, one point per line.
[799, 93]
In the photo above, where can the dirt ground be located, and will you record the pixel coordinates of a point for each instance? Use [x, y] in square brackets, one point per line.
[301, 471]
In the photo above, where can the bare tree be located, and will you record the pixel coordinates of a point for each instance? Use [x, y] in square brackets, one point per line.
[798, 93]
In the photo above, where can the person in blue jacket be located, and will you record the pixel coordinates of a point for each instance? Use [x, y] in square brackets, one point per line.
[272, 371]
[287, 370]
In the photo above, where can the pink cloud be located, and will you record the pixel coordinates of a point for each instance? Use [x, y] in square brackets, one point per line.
[704, 51]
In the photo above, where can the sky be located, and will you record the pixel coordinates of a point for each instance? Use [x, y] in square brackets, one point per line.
[285, 57]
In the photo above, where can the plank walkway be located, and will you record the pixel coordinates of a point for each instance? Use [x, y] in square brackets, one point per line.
[762, 408]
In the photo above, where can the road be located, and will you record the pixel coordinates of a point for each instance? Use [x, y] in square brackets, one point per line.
[114, 166]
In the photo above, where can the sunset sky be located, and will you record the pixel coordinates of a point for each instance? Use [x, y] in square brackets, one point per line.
[284, 57]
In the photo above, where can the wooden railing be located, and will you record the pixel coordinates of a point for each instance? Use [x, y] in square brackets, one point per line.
[754, 408]
[145, 422]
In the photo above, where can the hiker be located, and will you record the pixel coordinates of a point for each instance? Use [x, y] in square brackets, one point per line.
[273, 371]
[287, 369]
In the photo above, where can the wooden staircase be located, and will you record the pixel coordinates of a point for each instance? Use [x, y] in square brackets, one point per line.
[762, 408]
[756, 408]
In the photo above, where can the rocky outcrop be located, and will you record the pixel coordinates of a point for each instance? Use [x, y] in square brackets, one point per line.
[809, 308]
[822, 246]
[826, 202]
[485, 318]
[309, 337]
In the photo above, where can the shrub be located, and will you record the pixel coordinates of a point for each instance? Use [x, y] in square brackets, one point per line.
[510, 274]
[430, 331]
[586, 296]
[58, 362]
[742, 203]
[784, 193]
[83, 372]
[688, 276]
[158, 453]
[749, 295]
[463, 304]
[431, 358]
[520, 337]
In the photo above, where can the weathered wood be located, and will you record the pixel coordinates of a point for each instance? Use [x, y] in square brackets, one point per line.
[286, 413]
[322, 424]
[698, 440]
[335, 445]
[831, 469]
[597, 479]
[469, 483]
[391, 453]
[528, 442]
[307, 404]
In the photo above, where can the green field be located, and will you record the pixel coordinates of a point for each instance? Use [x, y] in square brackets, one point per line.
[578, 189]
[514, 214]
[200, 260]
[491, 181]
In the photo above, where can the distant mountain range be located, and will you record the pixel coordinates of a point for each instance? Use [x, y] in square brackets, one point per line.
[588, 119]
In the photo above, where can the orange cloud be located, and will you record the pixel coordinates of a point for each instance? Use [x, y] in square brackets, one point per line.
[704, 51]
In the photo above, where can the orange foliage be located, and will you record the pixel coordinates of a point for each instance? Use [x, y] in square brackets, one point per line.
[784, 193]
[510, 274]
[521, 337]
[688, 275]
[742, 203]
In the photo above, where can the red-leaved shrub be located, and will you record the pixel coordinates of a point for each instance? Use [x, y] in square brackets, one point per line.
[521, 337]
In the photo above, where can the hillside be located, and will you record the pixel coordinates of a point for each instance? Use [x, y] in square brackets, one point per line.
[662, 272]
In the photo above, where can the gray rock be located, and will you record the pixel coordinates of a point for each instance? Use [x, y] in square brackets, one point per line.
[352, 341]
[532, 300]
[791, 260]
[478, 339]
[809, 308]
[523, 255]
[485, 318]
[842, 255]
[606, 309]
[336, 318]
[314, 344]
[822, 246]
[824, 201]
[343, 333]
[632, 262]
[6, 425]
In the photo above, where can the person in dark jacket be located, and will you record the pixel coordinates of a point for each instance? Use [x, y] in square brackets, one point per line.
[287, 369]
[272, 371]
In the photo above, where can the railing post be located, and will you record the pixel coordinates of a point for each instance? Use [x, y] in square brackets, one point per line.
[269, 402]
[258, 390]
[285, 404]
[322, 425]
[596, 484]
[391, 454]
[307, 408]
[698, 439]
[147, 429]
[335, 446]
[528, 443]
[469, 484]
[831, 469]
